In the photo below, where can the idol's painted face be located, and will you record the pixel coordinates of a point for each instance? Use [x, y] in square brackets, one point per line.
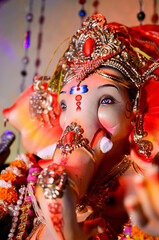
[99, 103]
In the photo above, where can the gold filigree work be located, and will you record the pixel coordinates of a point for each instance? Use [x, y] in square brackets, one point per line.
[41, 102]
[72, 138]
[145, 147]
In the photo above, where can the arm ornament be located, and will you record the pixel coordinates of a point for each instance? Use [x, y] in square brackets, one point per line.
[73, 139]
[53, 180]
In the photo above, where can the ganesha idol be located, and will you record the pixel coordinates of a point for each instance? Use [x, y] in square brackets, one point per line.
[91, 131]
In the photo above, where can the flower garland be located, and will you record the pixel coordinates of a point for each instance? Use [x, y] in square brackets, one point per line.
[134, 233]
[11, 178]
[138, 234]
[14, 195]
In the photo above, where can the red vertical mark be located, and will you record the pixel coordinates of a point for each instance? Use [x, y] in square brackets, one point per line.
[55, 209]
[64, 161]
[78, 98]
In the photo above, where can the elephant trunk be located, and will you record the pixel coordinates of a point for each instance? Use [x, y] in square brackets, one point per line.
[80, 157]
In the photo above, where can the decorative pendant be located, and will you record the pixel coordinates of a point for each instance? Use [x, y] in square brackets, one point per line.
[72, 138]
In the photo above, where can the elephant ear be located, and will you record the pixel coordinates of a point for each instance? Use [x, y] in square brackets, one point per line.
[149, 107]
[35, 134]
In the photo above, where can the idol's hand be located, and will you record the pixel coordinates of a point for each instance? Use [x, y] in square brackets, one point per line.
[143, 205]
[58, 193]
[61, 218]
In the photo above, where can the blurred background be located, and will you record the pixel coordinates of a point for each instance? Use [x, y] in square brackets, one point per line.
[53, 20]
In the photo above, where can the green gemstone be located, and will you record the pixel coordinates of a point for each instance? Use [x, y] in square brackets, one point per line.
[141, 15]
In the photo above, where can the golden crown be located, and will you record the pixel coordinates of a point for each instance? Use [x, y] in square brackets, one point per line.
[98, 43]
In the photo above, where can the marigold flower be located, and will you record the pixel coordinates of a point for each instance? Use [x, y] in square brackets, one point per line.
[8, 195]
[19, 164]
[9, 176]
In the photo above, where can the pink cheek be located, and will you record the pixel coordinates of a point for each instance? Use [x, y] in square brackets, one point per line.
[107, 126]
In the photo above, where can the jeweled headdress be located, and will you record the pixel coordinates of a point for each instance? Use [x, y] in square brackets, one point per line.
[98, 43]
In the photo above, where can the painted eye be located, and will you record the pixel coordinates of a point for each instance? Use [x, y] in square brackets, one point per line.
[107, 100]
[63, 106]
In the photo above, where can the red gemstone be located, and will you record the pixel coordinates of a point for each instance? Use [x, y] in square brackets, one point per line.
[88, 47]
[69, 137]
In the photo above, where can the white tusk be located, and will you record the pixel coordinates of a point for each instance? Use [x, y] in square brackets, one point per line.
[47, 153]
[105, 145]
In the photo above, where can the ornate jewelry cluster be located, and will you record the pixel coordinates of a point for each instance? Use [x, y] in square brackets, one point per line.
[72, 138]
[53, 181]
[145, 147]
[41, 102]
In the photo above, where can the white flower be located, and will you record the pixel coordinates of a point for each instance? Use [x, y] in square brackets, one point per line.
[5, 184]
[15, 170]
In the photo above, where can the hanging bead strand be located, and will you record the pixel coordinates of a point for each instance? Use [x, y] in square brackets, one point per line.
[95, 5]
[154, 18]
[141, 14]
[16, 213]
[82, 12]
[40, 35]
[25, 59]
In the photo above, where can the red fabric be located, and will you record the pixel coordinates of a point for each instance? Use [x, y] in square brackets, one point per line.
[146, 38]
[150, 108]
